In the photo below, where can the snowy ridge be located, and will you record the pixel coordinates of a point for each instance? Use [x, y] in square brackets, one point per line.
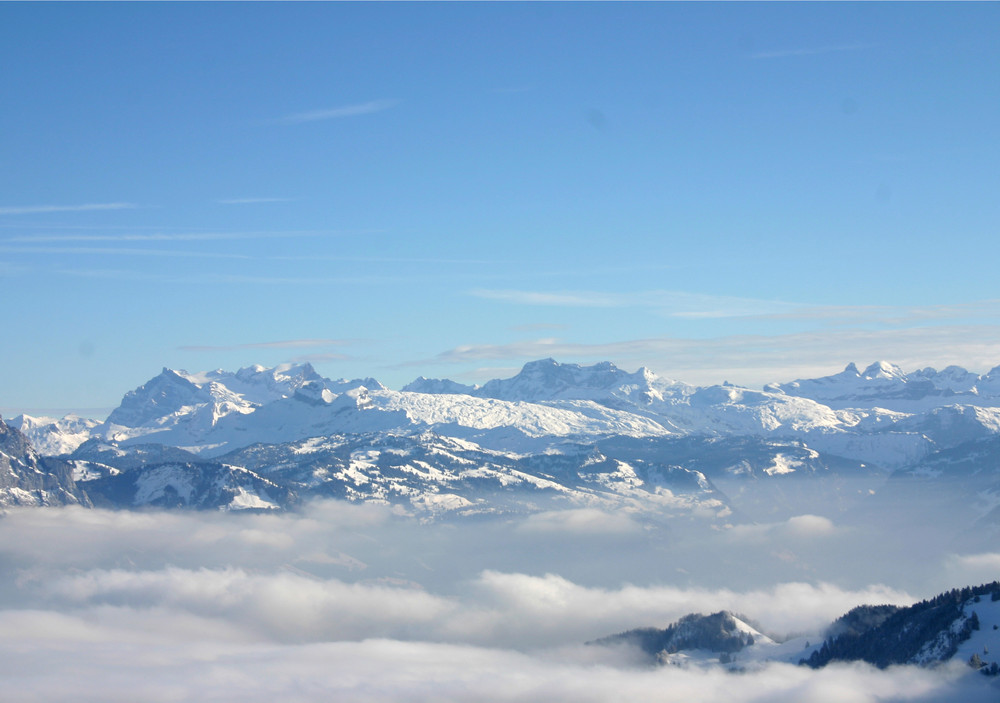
[644, 425]
[547, 379]
[856, 414]
[428, 474]
[576, 418]
[886, 385]
[51, 437]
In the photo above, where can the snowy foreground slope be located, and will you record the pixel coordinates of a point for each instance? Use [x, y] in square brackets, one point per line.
[579, 435]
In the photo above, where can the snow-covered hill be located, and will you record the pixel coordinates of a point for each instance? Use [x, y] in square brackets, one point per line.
[887, 386]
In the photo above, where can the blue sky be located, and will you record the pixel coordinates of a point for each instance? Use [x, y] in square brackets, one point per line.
[743, 192]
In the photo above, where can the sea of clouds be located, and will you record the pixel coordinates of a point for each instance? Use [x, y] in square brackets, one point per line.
[355, 602]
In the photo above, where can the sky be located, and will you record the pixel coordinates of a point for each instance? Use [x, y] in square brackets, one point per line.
[719, 192]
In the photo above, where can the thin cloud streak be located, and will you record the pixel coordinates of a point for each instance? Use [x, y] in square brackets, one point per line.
[755, 360]
[41, 209]
[320, 358]
[807, 51]
[390, 260]
[681, 304]
[164, 236]
[569, 299]
[231, 279]
[671, 303]
[121, 251]
[283, 344]
[891, 315]
[334, 113]
[537, 327]
[252, 201]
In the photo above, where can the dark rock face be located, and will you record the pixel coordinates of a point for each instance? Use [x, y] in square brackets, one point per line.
[30, 480]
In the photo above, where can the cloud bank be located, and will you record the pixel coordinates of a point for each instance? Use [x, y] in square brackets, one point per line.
[352, 602]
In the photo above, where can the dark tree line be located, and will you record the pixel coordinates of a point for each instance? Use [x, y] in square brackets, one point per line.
[886, 635]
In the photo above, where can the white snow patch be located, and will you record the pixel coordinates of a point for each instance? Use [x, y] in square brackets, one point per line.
[244, 500]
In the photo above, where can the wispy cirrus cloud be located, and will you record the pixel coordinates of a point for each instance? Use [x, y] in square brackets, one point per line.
[895, 315]
[514, 89]
[163, 236]
[214, 278]
[122, 251]
[320, 358]
[386, 259]
[681, 304]
[252, 201]
[282, 344]
[538, 327]
[671, 303]
[810, 51]
[42, 209]
[334, 113]
[585, 299]
[754, 360]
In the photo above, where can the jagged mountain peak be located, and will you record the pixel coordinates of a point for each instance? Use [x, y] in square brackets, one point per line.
[29, 479]
[886, 385]
[547, 379]
[343, 385]
[163, 394]
[314, 393]
[281, 372]
[439, 386]
[13, 442]
[51, 436]
[550, 367]
[884, 370]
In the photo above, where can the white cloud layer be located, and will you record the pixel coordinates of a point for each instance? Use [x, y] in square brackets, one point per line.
[350, 602]
[391, 670]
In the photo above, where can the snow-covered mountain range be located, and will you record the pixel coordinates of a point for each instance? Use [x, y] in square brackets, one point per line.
[887, 386]
[266, 437]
